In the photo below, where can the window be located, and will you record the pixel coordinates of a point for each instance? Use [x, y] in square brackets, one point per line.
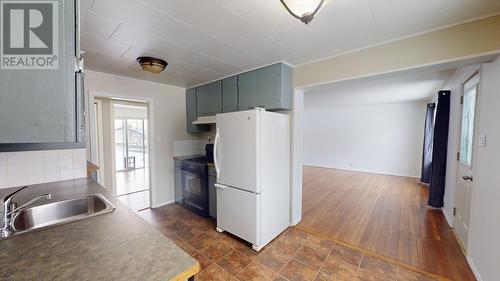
[468, 116]
[131, 146]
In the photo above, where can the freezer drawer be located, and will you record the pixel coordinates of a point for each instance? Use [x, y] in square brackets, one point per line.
[238, 212]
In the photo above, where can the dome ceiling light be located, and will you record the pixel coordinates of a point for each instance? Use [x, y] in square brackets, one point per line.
[305, 8]
[152, 64]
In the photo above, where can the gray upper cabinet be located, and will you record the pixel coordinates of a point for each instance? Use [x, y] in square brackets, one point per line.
[209, 99]
[269, 87]
[191, 107]
[42, 107]
[230, 94]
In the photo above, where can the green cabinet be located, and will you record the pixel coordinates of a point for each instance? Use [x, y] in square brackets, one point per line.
[42, 109]
[191, 115]
[230, 94]
[269, 87]
[177, 181]
[212, 192]
[209, 99]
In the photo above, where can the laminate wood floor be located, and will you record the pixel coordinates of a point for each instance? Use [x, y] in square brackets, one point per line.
[386, 215]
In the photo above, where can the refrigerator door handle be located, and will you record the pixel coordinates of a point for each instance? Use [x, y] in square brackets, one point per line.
[216, 143]
[220, 186]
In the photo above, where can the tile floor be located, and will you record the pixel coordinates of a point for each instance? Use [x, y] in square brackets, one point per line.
[295, 255]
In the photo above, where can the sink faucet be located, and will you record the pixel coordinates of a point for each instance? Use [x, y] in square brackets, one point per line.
[10, 208]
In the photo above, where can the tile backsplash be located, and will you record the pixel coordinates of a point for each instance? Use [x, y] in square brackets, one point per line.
[34, 167]
[189, 147]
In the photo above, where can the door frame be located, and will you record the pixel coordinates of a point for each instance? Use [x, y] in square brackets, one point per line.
[476, 71]
[98, 140]
[151, 133]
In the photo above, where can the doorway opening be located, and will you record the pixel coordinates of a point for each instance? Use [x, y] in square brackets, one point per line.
[131, 147]
[362, 155]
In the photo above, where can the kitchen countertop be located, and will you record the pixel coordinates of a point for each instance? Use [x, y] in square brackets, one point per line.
[114, 246]
[187, 156]
[191, 156]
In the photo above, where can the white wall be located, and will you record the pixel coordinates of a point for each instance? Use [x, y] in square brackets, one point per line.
[384, 138]
[483, 249]
[297, 147]
[131, 112]
[454, 85]
[167, 120]
[484, 243]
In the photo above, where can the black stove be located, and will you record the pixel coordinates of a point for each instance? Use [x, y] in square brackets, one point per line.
[194, 173]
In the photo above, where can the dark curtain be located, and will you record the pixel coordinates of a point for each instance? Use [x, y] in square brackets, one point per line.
[439, 150]
[428, 138]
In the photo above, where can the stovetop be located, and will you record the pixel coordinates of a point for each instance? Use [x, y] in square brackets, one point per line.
[199, 163]
[198, 160]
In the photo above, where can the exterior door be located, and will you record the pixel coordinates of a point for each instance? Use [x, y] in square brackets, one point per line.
[130, 144]
[466, 159]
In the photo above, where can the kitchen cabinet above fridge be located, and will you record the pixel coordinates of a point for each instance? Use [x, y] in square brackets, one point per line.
[270, 87]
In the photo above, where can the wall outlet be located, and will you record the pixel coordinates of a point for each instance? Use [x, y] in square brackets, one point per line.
[482, 141]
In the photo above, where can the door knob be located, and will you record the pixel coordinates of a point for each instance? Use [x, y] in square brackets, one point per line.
[467, 178]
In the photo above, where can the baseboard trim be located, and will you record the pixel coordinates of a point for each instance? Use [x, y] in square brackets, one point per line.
[362, 171]
[295, 221]
[473, 268]
[447, 217]
[161, 204]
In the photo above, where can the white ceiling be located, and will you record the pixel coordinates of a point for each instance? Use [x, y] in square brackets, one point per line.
[204, 40]
[420, 85]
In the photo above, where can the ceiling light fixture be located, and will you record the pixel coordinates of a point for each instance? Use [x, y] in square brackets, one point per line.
[152, 64]
[304, 8]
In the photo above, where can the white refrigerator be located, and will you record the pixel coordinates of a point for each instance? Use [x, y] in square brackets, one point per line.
[252, 160]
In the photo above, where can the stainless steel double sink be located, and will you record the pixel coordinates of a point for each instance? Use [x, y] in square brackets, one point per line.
[57, 213]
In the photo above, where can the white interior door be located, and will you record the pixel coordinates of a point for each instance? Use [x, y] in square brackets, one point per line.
[465, 171]
[236, 151]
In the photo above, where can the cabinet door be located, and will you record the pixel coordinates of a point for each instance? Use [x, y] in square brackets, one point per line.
[259, 88]
[191, 106]
[209, 99]
[212, 197]
[202, 100]
[268, 87]
[177, 184]
[247, 89]
[230, 94]
[191, 110]
[40, 106]
[215, 103]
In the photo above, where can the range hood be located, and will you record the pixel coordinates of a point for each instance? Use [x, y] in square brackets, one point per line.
[205, 120]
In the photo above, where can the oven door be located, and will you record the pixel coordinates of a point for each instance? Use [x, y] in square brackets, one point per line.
[195, 191]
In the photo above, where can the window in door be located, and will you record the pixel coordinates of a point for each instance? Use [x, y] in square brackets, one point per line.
[468, 115]
[131, 144]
